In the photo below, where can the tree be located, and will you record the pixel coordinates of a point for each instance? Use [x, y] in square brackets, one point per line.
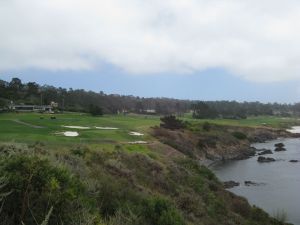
[171, 122]
[15, 88]
[15, 84]
[32, 88]
[139, 107]
[203, 111]
[3, 89]
[95, 110]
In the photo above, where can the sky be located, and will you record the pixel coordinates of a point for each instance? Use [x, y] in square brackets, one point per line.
[188, 49]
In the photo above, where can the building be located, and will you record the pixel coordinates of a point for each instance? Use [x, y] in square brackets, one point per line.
[54, 105]
[32, 108]
[149, 111]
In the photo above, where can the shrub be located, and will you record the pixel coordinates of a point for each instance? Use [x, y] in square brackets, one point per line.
[215, 205]
[239, 135]
[160, 211]
[172, 123]
[258, 214]
[95, 110]
[206, 126]
[241, 206]
[35, 187]
[80, 151]
[113, 195]
[280, 215]
[201, 144]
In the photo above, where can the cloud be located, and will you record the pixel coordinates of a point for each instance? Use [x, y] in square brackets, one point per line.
[257, 40]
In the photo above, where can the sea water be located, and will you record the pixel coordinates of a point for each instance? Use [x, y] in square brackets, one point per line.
[278, 183]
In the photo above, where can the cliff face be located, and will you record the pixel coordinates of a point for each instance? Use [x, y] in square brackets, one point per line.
[217, 142]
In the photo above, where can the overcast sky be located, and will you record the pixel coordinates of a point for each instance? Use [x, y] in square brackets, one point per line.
[230, 49]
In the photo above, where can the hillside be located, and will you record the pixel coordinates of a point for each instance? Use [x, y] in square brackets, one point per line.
[210, 141]
[100, 178]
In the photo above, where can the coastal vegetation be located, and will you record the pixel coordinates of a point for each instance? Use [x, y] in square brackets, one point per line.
[114, 161]
[98, 177]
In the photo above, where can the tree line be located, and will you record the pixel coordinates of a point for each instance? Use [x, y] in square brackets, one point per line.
[80, 100]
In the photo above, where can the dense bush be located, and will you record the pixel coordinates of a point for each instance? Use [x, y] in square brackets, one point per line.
[35, 187]
[159, 211]
[80, 151]
[171, 122]
[239, 135]
[95, 110]
[206, 126]
[119, 187]
[114, 196]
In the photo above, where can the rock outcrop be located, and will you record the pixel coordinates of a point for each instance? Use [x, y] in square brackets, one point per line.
[262, 159]
[252, 183]
[230, 184]
[279, 147]
[265, 152]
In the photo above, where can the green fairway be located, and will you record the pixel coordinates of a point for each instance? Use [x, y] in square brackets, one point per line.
[31, 127]
[258, 121]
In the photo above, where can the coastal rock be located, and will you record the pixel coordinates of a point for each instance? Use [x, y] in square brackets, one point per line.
[230, 184]
[244, 153]
[280, 149]
[265, 152]
[262, 135]
[294, 161]
[279, 145]
[251, 183]
[265, 159]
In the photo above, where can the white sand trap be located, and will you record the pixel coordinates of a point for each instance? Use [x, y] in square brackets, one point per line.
[70, 133]
[107, 128]
[135, 134]
[294, 130]
[138, 142]
[77, 127]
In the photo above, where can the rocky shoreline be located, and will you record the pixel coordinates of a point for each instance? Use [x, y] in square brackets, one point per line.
[246, 151]
[259, 135]
[221, 142]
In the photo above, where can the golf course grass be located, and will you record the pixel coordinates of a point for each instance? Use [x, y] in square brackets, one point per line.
[253, 121]
[32, 127]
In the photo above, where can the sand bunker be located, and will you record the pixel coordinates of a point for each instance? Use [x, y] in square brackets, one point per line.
[294, 130]
[70, 133]
[138, 142]
[135, 134]
[77, 127]
[107, 128]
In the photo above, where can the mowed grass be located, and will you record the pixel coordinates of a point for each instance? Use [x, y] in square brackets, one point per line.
[12, 131]
[51, 131]
[258, 121]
